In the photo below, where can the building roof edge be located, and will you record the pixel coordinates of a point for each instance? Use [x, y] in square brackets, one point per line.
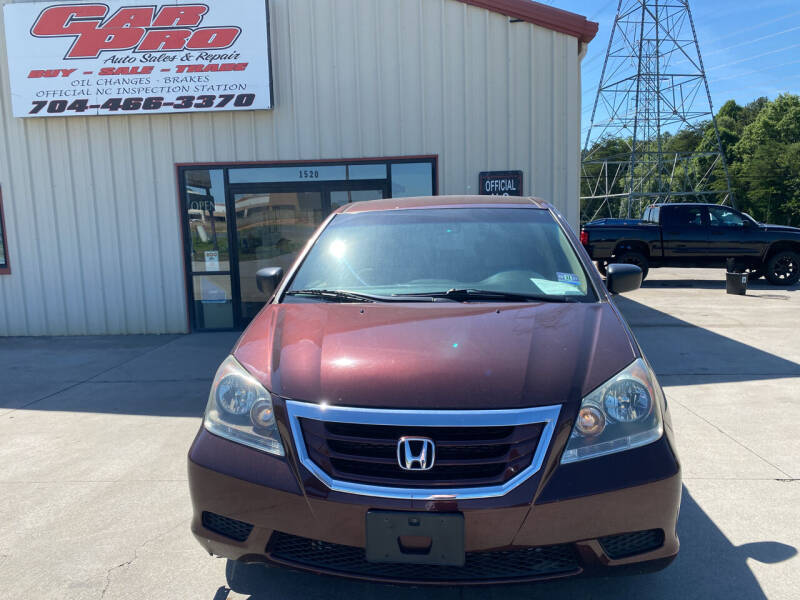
[543, 15]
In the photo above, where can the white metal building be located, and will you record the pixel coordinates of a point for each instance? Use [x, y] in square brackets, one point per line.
[123, 222]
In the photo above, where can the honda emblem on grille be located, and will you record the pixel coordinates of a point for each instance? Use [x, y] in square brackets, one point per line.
[416, 453]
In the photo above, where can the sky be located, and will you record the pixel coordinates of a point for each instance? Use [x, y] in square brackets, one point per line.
[751, 48]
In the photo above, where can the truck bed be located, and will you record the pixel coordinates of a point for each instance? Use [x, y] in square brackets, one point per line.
[612, 222]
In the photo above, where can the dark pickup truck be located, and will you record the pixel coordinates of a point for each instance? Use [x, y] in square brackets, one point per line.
[696, 235]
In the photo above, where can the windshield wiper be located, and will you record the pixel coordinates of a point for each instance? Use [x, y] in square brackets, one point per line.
[345, 296]
[454, 295]
[334, 295]
[467, 295]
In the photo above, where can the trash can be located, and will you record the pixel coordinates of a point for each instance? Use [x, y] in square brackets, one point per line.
[736, 282]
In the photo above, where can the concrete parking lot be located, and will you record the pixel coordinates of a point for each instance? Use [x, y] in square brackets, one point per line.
[94, 433]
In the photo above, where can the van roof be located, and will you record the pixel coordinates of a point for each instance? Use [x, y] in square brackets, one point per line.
[443, 202]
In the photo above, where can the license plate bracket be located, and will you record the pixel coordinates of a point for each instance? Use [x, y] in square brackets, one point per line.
[385, 529]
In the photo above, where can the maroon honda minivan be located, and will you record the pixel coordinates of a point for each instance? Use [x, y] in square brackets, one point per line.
[439, 391]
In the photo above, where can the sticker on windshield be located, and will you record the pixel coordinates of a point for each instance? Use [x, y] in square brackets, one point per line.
[555, 288]
[569, 278]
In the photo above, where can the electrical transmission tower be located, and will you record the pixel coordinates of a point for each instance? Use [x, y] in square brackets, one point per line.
[646, 122]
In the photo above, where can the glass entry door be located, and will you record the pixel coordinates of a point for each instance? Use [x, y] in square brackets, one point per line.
[238, 219]
[271, 229]
[272, 226]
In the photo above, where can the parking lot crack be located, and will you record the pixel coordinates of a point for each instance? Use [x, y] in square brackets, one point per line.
[111, 570]
[730, 437]
[140, 547]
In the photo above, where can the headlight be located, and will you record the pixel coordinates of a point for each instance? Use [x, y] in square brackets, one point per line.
[240, 409]
[623, 413]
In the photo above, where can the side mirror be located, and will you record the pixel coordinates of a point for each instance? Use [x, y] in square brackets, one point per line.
[269, 279]
[621, 278]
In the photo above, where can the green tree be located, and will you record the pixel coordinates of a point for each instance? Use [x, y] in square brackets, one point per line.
[765, 162]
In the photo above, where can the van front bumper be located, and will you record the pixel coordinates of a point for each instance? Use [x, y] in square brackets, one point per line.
[253, 507]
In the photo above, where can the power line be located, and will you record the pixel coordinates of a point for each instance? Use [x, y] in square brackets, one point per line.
[602, 10]
[737, 62]
[757, 26]
[762, 84]
[592, 90]
[732, 46]
[753, 41]
[754, 71]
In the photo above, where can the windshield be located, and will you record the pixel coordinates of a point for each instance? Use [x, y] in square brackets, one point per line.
[432, 251]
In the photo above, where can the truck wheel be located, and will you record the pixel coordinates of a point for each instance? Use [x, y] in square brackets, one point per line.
[783, 268]
[632, 257]
[602, 267]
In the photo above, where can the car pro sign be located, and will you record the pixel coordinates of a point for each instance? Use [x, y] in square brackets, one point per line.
[120, 57]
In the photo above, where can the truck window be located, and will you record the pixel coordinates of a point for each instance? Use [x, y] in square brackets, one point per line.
[722, 216]
[683, 216]
[651, 214]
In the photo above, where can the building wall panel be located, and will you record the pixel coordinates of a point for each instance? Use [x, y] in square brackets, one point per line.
[91, 203]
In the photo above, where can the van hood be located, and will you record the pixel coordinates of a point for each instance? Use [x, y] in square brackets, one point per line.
[435, 356]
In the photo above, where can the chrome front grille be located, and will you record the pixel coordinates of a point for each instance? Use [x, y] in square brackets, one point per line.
[466, 457]
[478, 453]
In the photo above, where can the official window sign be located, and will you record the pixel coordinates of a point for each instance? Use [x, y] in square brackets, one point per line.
[117, 57]
[500, 183]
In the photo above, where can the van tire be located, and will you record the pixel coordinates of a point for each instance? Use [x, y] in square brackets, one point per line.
[246, 578]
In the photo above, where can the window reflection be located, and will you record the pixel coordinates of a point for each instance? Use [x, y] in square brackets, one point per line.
[208, 221]
[272, 229]
[721, 216]
[213, 302]
[340, 198]
[412, 179]
[367, 171]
